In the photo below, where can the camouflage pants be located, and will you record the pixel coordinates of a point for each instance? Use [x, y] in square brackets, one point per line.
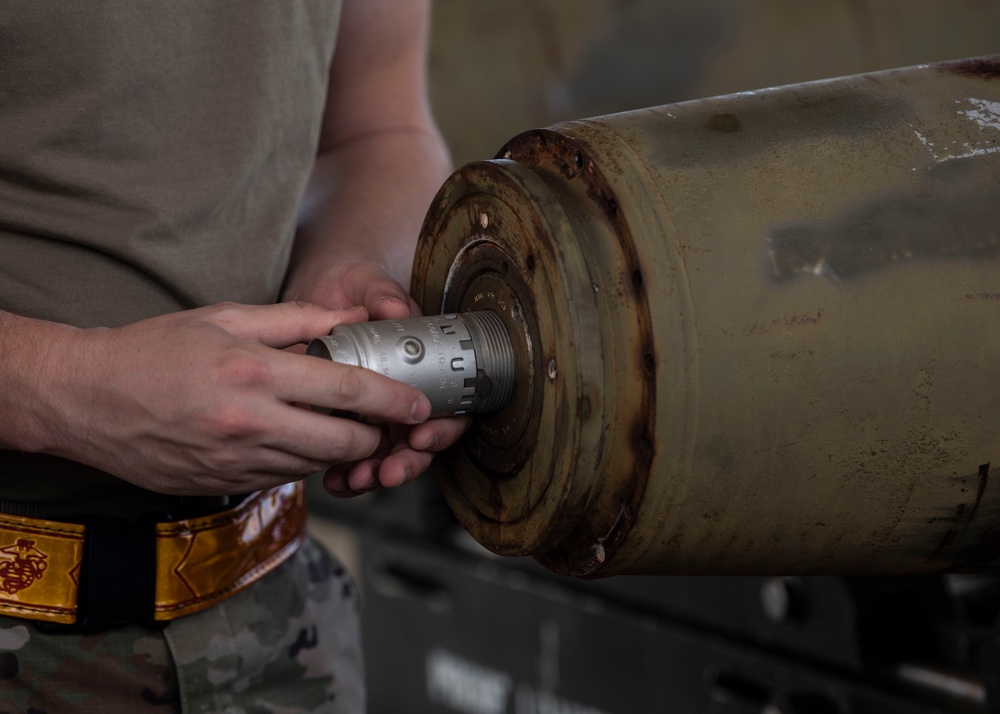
[288, 644]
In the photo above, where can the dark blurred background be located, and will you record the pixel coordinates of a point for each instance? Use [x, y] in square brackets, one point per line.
[451, 628]
[499, 67]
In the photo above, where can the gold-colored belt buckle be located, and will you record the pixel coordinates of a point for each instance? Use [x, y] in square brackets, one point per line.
[105, 572]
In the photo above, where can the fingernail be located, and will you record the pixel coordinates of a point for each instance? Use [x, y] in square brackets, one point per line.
[431, 443]
[407, 475]
[421, 409]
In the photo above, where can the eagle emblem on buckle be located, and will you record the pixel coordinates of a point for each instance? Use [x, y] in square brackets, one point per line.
[22, 565]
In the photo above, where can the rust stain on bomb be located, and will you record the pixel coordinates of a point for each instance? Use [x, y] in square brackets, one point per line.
[784, 323]
[979, 67]
[984, 477]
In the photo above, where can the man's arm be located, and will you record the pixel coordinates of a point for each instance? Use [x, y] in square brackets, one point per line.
[380, 161]
[204, 401]
[197, 402]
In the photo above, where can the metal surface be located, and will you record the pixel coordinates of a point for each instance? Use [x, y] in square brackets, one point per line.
[463, 363]
[755, 333]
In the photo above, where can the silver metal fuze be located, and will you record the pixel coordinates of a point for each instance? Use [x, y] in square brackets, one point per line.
[463, 363]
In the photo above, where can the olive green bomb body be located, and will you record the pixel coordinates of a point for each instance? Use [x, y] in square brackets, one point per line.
[751, 334]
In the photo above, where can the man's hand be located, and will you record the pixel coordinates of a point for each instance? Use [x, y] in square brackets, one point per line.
[404, 451]
[346, 284]
[379, 162]
[208, 401]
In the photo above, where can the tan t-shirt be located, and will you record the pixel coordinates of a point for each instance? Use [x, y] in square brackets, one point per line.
[152, 157]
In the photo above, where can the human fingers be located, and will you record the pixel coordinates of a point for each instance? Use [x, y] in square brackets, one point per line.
[403, 466]
[385, 298]
[410, 452]
[365, 283]
[323, 383]
[374, 474]
[347, 480]
[337, 479]
[390, 305]
[321, 439]
[254, 436]
[436, 435]
[413, 451]
[397, 463]
[263, 469]
[282, 324]
[400, 467]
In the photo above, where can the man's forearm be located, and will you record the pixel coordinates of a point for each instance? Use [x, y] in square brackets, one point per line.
[30, 371]
[366, 202]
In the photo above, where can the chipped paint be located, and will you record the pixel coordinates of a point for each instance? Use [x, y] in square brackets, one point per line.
[956, 150]
[986, 115]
